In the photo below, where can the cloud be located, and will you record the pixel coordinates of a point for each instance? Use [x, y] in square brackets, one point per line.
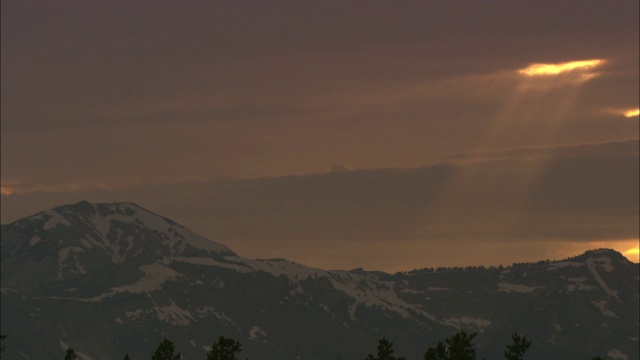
[76, 65]
[583, 67]
[582, 193]
[256, 91]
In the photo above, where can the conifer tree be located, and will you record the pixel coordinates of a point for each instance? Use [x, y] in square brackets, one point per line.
[436, 353]
[165, 351]
[518, 347]
[126, 357]
[457, 347]
[385, 351]
[2, 337]
[224, 349]
[70, 354]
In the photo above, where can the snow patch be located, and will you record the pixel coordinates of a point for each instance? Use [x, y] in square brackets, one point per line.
[34, 240]
[173, 314]
[54, 220]
[79, 267]
[155, 275]
[602, 305]
[563, 264]
[63, 255]
[211, 262]
[80, 355]
[411, 291]
[119, 253]
[578, 284]
[133, 314]
[256, 333]
[279, 267]
[481, 324]
[373, 293]
[176, 236]
[86, 243]
[604, 262]
[617, 354]
[506, 287]
[205, 310]
[365, 290]
[63, 345]
[22, 354]
[160, 224]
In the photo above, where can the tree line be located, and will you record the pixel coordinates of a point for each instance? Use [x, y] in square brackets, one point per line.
[444, 269]
[222, 349]
[459, 346]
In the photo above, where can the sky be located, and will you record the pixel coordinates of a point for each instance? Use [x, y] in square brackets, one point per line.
[388, 135]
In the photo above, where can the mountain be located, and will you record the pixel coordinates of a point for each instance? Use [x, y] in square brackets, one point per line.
[110, 279]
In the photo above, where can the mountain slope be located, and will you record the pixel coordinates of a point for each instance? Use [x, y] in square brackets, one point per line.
[109, 279]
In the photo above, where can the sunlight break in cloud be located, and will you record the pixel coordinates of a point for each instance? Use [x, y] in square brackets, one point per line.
[633, 254]
[16, 187]
[8, 187]
[560, 68]
[631, 113]
[628, 113]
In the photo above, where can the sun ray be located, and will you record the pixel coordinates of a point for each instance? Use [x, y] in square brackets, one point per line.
[535, 111]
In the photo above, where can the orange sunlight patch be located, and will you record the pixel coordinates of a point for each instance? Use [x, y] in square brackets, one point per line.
[560, 68]
[631, 113]
[628, 248]
[633, 254]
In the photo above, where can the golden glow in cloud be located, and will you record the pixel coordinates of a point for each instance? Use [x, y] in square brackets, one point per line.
[628, 248]
[633, 254]
[628, 113]
[7, 187]
[560, 68]
[631, 113]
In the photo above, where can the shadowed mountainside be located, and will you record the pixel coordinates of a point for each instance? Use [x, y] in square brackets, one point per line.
[110, 279]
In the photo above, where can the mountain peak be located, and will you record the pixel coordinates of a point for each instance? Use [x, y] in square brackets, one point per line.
[603, 252]
[133, 275]
[124, 230]
[87, 209]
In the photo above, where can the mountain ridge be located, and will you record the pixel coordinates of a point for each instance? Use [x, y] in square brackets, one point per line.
[152, 276]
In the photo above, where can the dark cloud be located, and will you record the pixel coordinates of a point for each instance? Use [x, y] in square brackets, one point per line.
[84, 62]
[563, 194]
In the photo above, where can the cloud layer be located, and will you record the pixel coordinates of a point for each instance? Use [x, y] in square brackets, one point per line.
[563, 194]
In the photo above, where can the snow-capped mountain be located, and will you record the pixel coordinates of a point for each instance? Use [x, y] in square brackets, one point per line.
[110, 279]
